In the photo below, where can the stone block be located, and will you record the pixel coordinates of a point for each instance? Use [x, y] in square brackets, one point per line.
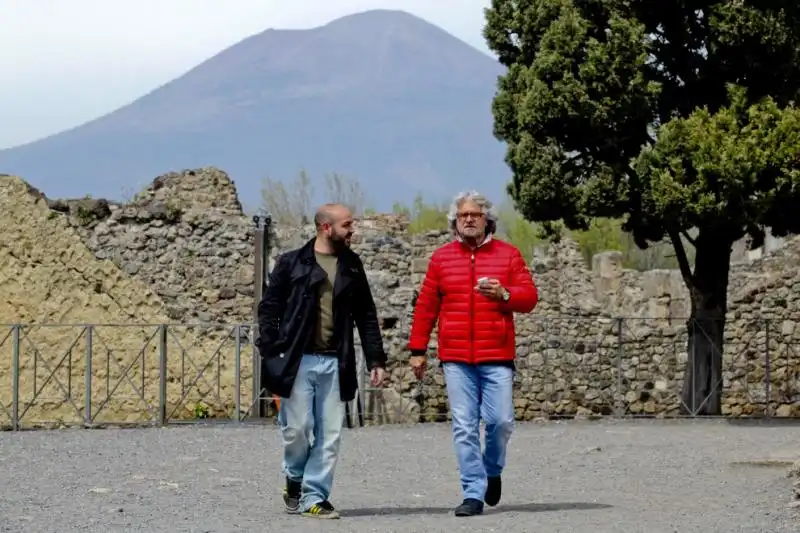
[420, 266]
[607, 264]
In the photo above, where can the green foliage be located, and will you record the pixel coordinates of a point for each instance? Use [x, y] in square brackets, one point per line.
[201, 411]
[588, 85]
[737, 169]
[512, 227]
[426, 217]
[674, 117]
[400, 209]
[423, 216]
[605, 234]
[601, 235]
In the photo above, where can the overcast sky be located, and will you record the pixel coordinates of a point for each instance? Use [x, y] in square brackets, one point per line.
[64, 62]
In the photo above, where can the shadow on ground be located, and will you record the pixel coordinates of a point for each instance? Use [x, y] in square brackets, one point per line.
[513, 508]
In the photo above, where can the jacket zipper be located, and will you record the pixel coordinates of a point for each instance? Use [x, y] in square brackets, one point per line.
[472, 310]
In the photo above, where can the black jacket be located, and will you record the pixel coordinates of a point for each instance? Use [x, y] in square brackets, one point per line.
[287, 315]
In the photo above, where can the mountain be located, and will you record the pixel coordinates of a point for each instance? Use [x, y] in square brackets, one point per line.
[383, 96]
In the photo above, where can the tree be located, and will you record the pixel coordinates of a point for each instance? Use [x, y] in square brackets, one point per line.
[288, 206]
[423, 216]
[608, 234]
[516, 230]
[345, 190]
[626, 109]
[292, 205]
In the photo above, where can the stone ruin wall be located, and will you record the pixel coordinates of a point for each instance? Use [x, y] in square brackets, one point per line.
[187, 238]
[53, 285]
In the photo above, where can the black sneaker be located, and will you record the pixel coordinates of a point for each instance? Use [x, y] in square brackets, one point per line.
[291, 496]
[494, 488]
[322, 510]
[469, 507]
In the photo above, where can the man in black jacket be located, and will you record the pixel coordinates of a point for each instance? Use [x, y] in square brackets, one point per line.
[315, 295]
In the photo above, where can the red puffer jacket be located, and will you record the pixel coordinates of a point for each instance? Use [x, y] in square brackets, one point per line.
[472, 328]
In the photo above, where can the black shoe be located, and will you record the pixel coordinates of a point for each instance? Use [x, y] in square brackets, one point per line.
[322, 510]
[291, 496]
[494, 488]
[469, 507]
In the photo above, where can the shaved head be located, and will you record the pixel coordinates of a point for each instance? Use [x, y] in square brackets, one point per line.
[334, 223]
[330, 214]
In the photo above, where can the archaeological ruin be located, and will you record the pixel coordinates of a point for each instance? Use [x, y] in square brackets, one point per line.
[146, 296]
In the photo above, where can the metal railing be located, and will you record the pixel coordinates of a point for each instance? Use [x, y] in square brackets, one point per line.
[155, 374]
[119, 374]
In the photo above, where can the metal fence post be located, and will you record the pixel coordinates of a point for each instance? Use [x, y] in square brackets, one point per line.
[15, 377]
[263, 225]
[767, 372]
[87, 378]
[162, 374]
[237, 376]
[693, 366]
[620, 397]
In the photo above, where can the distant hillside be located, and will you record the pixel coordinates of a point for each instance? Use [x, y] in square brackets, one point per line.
[382, 96]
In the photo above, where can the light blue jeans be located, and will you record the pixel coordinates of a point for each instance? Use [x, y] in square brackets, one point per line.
[311, 422]
[477, 392]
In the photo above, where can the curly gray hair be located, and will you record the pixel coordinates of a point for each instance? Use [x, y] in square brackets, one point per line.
[473, 196]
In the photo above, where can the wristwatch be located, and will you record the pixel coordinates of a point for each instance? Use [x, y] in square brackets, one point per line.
[506, 295]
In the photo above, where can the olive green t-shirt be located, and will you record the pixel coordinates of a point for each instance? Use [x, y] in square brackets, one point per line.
[324, 326]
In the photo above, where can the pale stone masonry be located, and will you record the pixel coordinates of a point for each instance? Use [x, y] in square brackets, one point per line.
[182, 252]
[49, 277]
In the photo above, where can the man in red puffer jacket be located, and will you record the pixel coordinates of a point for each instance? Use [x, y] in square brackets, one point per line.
[473, 286]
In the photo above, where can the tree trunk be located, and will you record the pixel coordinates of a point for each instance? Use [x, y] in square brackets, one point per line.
[708, 287]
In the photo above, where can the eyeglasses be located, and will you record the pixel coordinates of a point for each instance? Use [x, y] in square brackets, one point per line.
[470, 214]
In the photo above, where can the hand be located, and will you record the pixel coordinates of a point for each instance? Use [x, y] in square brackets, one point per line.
[419, 364]
[492, 290]
[376, 376]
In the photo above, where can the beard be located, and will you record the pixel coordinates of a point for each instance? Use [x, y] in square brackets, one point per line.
[470, 232]
[340, 242]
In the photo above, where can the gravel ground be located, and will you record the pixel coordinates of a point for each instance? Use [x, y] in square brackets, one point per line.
[571, 477]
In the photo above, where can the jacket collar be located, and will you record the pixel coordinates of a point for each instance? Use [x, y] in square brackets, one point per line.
[346, 269]
[484, 242]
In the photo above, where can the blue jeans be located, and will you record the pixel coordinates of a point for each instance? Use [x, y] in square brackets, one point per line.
[311, 422]
[477, 392]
